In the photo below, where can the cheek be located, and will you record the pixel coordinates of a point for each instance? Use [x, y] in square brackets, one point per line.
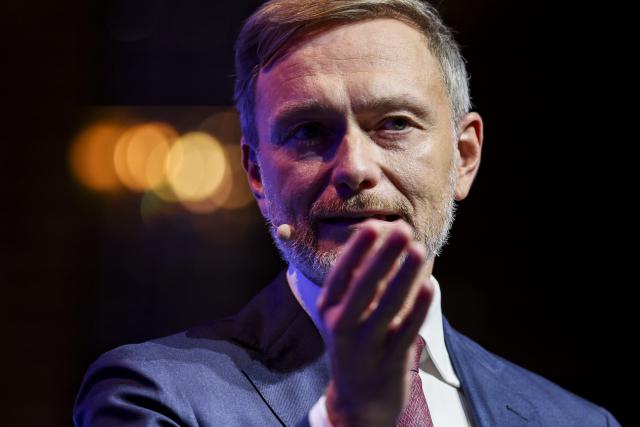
[295, 183]
[414, 171]
[422, 176]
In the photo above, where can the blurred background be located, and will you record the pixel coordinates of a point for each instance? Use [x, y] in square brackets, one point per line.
[103, 245]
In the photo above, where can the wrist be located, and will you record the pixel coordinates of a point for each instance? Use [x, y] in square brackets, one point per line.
[343, 413]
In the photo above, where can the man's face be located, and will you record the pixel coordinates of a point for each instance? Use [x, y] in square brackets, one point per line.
[353, 123]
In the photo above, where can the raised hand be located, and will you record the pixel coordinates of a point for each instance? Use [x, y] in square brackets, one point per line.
[372, 305]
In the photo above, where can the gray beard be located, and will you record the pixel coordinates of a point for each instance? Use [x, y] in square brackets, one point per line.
[302, 249]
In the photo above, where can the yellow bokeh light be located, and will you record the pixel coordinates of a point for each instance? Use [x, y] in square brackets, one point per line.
[195, 166]
[233, 192]
[91, 156]
[141, 154]
[214, 201]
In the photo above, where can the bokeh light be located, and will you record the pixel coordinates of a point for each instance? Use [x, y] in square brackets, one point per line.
[141, 154]
[91, 156]
[164, 191]
[240, 194]
[200, 171]
[215, 200]
[196, 166]
[225, 125]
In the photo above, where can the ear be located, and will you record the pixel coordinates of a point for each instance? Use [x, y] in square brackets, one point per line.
[251, 167]
[469, 146]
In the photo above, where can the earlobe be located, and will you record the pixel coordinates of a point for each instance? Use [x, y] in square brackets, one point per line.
[469, 147]
[251, 167]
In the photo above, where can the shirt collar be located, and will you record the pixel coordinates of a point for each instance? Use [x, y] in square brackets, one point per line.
[306, 292]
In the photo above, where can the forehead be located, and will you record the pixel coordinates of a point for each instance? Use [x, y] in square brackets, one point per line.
[351, 63]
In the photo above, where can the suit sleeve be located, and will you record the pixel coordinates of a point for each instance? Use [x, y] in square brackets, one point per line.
[118, 392]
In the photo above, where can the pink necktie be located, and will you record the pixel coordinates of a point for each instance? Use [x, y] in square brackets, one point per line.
[416, 413]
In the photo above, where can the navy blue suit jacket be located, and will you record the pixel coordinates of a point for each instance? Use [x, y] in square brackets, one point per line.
[267, 366]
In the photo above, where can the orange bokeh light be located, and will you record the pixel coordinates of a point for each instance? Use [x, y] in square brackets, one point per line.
[196, 169]
[91, 156]
[141, 154]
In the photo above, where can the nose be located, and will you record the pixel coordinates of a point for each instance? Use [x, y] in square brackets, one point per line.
[355, 164]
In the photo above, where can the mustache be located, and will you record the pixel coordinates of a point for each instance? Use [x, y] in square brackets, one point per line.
[358, 203]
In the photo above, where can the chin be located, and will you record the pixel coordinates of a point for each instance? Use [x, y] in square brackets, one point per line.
[316, 266]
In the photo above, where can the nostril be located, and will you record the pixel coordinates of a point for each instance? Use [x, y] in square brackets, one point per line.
[366, 184]
[354, 177]
[353, 184]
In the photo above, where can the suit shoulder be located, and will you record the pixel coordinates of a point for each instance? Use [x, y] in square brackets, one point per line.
[173, 379]
[169, 360]
[173, 349]
[557, 403]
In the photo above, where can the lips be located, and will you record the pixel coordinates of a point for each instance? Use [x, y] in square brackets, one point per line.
[358, 218]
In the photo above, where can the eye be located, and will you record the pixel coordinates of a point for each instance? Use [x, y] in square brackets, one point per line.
[307, 131]
[396, 124]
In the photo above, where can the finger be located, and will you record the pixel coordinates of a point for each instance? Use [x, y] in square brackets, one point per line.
[402, 336]
[340, 275]
[396, 293]
[374, 270]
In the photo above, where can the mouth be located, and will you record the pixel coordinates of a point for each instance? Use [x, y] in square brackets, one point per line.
[354, 219]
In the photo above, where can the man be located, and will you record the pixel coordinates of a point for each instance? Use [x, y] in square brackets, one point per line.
[357, 142]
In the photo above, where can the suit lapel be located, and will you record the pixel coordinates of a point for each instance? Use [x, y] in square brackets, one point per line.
[288, 367]
[286, 361]
[290, 395]
[493, 400]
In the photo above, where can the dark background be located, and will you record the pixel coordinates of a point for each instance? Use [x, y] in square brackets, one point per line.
[539, 265]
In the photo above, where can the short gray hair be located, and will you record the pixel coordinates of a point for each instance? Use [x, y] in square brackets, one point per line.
[277, 23]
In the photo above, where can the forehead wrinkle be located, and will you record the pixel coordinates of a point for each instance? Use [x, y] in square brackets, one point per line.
[371, 96]
[331, 48]
[393, 36]
[302, 73]
[379, 43]
[339, 61]
[321, 66]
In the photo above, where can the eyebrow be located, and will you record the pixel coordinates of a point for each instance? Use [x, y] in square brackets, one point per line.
[311, 107]
[300, 108]
[406, 102]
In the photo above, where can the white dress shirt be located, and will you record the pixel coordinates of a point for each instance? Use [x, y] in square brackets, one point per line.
[447, 404]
